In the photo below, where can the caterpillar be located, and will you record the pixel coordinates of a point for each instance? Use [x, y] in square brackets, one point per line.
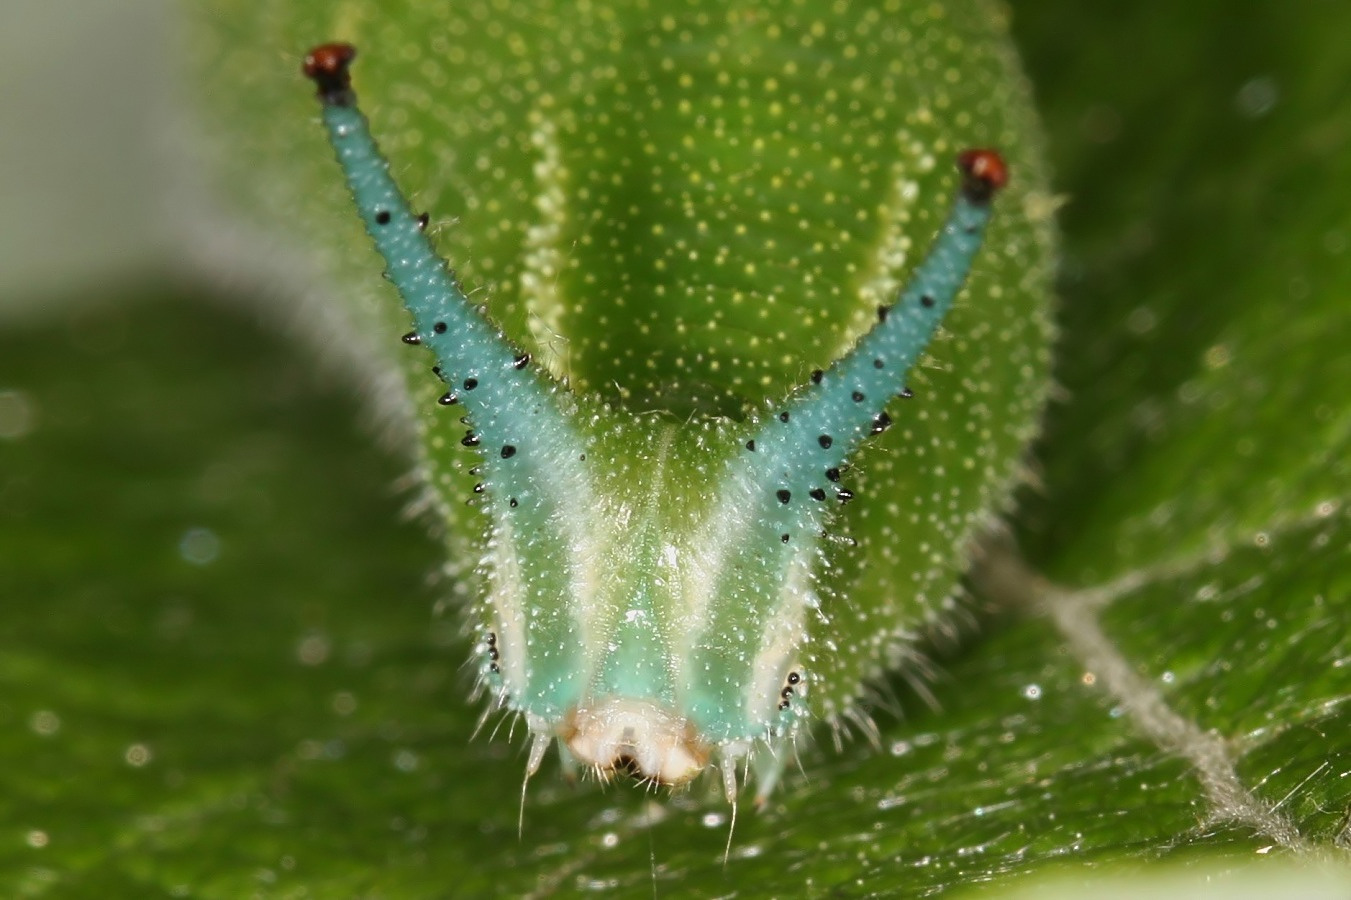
[665, 573]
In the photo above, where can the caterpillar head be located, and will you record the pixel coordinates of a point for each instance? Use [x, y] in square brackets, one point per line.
[647, 628]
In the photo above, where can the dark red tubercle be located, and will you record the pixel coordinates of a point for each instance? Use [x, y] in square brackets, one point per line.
[984, 173]
[326, 65]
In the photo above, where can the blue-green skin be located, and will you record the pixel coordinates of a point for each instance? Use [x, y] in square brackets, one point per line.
[702, 606]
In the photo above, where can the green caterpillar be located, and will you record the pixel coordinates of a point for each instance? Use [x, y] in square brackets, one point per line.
[658, 460]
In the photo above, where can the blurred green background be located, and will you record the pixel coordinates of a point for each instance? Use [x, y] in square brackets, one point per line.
[221, 675]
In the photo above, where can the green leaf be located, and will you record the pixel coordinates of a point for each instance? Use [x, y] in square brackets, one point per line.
[1203, 284]
[219, 673]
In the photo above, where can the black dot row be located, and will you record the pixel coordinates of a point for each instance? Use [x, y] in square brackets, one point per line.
[925, 300]
[786, 695]
[844, 495]
[382, 217]
[471, 439]
[449, 398]
[493, 655]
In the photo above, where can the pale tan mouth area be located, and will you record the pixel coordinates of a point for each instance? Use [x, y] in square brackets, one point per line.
[643, 738]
